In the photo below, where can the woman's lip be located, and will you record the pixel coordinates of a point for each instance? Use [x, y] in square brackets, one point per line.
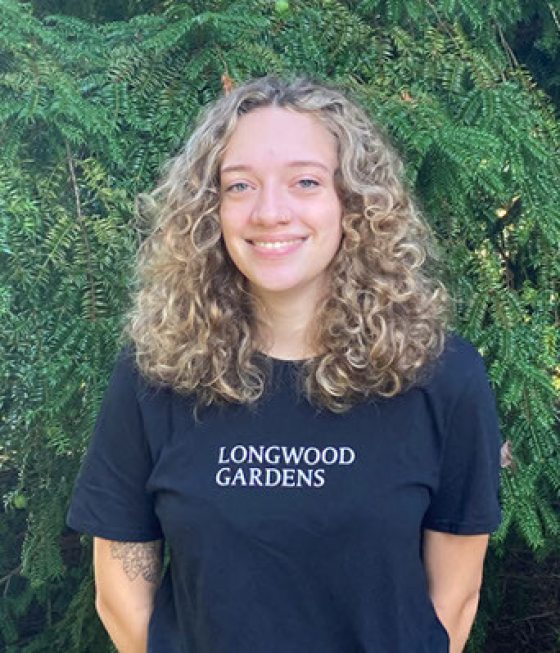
[280, 247]
[275, 239]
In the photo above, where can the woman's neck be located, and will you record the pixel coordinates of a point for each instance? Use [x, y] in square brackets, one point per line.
[287, 321]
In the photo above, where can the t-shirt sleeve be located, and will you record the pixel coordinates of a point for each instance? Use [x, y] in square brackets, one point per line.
[466, 501]
[110, 499]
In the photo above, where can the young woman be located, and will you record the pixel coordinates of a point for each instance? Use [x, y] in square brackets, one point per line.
[291, 413]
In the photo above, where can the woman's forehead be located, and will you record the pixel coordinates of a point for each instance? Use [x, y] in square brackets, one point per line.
[277, 135]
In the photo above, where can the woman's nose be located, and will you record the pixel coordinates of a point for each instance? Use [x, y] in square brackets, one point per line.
[271, 207]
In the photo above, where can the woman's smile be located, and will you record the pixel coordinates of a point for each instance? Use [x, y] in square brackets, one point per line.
[277, 247]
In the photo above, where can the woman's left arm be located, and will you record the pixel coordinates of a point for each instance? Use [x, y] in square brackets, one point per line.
[454, 566]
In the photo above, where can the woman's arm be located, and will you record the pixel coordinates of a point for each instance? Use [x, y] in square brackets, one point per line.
[454, 565]
[127, 575]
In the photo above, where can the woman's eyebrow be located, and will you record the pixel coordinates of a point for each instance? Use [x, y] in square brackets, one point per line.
[291, 164]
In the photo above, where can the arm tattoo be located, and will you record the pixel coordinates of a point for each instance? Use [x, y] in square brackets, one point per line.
[139, 558]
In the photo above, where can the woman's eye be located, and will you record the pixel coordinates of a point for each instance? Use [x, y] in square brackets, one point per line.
[308, 181]
[235, 187]
[240, 186]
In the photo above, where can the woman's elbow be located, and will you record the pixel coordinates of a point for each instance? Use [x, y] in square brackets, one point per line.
[126, 625]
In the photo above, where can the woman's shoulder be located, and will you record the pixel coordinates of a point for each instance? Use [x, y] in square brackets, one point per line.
[460, 353]
[127, 372]
[459, 365]
[125, 369]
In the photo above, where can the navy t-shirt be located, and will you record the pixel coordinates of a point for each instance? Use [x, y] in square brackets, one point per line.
[293, 530]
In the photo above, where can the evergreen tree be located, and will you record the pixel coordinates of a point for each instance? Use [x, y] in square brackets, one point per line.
[90, 112]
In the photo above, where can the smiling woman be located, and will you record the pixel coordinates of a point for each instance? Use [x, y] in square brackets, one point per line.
[291, 414]
[286, 203]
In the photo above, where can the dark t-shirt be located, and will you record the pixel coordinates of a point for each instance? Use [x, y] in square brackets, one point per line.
[293, 530]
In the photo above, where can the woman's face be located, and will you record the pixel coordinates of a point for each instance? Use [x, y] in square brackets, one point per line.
[280, 213]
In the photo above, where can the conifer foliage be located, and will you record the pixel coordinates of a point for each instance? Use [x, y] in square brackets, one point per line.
[88, 114]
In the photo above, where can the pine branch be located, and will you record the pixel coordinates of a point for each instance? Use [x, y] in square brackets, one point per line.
[83, 227]
[511, 54]
[8, 577]
[554, 15]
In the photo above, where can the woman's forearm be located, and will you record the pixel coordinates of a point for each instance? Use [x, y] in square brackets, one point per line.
[128, 629]
[458, 622]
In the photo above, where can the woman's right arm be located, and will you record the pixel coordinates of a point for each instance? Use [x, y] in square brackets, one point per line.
[127, 575]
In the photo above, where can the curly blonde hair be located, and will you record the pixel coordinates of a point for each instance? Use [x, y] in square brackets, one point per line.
[193, 321]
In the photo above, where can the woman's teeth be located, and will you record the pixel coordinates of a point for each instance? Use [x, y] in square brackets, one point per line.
[277, 244]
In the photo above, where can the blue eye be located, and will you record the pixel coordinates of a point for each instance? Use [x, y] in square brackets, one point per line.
[233, 186]
[308, 180]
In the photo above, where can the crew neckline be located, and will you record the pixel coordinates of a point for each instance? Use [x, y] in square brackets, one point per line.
[284, 361]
